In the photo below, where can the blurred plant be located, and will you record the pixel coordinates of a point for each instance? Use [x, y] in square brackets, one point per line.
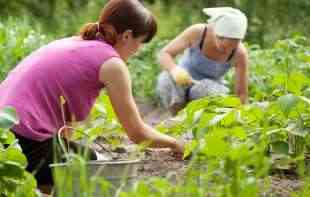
[17, 39]
[14, 179]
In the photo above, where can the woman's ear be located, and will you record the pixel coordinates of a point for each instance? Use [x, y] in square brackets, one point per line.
[127, 35]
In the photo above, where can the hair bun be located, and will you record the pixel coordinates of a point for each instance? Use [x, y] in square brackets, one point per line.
[108, 33]
[89, 31]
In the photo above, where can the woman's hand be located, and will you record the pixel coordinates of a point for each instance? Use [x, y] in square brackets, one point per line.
[181, 76]
[178, 149]
[179, 146]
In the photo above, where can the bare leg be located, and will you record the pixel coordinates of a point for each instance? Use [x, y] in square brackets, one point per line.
[207, 87]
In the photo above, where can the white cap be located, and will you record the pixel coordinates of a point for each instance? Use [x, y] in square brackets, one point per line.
[228, 22]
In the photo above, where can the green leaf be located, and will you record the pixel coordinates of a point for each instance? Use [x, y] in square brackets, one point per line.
[297, 82]
[203, 122]
[12, 169]
[287, 103]
[305, 57]
[6, 137]
[279, 79]
[8, 118]
[142, 189]
[280, 147]
[230, 101]
[216, 145]
[190, 148]
[305, 99]
[28, 186]
[238, 152]
[225, 119]
[238, 132]
[109, 109]
[216, 119]
[15, 155]
[295, 130]
[197, 116]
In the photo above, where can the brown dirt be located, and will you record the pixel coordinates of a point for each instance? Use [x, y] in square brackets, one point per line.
[284, 185]
[162, 163]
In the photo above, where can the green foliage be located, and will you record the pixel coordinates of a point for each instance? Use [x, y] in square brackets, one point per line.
[102, 123]
[268, 20]
[8, 118]
[76, 13]
[280, 70]
[51, 13]
[17, 39]
[285, 14]
[144, 69]
[177, 14]
[238, 143]
[14, 180]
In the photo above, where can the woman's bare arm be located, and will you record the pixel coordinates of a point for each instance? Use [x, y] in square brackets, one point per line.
[178, 45]
[115, 75]
[241, 79]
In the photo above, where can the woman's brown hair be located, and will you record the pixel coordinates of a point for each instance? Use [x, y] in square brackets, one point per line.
[116, 17]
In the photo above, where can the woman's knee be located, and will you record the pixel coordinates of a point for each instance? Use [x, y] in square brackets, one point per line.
[164, 88]
[207, 87]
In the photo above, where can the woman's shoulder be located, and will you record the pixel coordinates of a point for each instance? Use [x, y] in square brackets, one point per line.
[241, 51]
[114, 70]
[194, 32]
[114, 65]
[196, 29]
[241, 55]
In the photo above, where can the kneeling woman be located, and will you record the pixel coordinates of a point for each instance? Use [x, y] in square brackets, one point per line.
[77, 69]
[210, 51]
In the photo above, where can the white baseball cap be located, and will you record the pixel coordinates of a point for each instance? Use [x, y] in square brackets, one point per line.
[228, 22]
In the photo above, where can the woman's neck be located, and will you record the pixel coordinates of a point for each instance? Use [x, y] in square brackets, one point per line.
[122, 53]
[212, 49]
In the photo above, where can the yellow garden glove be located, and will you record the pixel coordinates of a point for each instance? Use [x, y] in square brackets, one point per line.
[181, 76]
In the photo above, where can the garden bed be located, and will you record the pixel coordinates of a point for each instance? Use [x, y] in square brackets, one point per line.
[162, 163]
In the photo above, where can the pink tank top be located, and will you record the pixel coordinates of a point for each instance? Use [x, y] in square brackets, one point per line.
[67, 68]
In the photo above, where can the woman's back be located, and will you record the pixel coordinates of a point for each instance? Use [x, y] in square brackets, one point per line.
[67, 68]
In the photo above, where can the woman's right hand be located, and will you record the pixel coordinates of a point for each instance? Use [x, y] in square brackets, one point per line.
[181, 76]
[179, 146]
[178, 149]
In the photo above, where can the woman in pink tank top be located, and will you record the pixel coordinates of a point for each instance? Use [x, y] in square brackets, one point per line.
[77, 69]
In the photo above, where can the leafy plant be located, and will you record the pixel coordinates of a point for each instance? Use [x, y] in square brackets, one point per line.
[102, 123]
[144, 69]
[17, 39]
[14, 179]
